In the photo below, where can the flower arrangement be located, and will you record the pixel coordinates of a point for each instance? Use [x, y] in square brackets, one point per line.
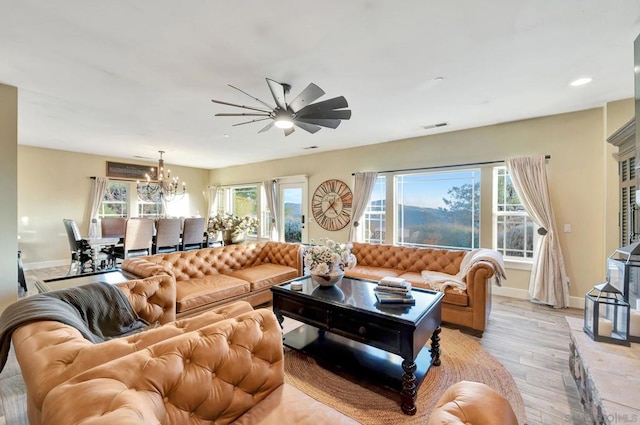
[328, 257]
[232, 223]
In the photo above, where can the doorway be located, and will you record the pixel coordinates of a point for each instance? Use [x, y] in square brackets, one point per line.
[293, 207]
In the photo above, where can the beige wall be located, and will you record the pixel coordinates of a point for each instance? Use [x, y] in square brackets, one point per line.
[580, 165]
[8, 194]
[54, 184]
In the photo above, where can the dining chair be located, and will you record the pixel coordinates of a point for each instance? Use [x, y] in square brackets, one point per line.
[193, 233]
[167, 237]
[113, 227]
[81, 252]
[138, 239]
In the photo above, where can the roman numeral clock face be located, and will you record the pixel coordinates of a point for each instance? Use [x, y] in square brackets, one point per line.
[331, 205]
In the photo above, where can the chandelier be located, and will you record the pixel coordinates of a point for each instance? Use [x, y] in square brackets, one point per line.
[160, 187]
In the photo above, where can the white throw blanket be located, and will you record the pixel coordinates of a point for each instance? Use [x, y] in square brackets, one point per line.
[440, 281]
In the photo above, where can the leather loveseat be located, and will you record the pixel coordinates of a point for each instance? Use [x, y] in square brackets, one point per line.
[210, 277]
[469, 307]
[222, 366]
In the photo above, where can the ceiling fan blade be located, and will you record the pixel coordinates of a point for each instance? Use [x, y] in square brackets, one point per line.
[306, 97]
[243, 115]
[288, 131]
[239, 106]
[277, 91]
[320, 122]
[249, 122]
[324, 106]
[252, 97]
[341, 114]
[268, 127]
[311, 128]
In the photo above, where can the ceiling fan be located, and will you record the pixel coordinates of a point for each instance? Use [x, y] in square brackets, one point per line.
[299, 112]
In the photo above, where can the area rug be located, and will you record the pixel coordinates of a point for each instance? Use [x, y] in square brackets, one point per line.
[462, 359]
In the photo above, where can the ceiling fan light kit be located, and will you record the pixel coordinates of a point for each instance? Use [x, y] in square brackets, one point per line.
[301, 112]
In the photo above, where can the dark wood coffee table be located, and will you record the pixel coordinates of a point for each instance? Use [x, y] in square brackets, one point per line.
[345, 327]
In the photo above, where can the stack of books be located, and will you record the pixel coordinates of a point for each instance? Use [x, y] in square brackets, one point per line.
[394, 290]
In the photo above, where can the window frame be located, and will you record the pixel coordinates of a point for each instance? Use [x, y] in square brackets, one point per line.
[496, 214]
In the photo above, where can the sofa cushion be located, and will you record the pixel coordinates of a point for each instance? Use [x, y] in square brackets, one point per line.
[200, 291]
[451, 295]
[265, 275]
[373, 273]
[287, 404]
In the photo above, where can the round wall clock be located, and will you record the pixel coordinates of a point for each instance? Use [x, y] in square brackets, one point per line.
[331, 204]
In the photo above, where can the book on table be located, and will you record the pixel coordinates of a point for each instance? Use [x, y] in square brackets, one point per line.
[395, 298]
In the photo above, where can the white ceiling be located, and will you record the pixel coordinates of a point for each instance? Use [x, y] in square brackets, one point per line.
[127, 78]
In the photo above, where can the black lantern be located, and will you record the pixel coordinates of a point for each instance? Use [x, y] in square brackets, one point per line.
[606, 315]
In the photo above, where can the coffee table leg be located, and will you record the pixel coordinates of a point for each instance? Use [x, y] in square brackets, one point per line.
[408, 394]
[435, 347]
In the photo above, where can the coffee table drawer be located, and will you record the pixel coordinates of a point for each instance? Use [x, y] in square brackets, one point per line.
[367, 332]
[310, 314]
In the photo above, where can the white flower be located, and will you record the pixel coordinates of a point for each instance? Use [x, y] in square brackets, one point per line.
[328, 256]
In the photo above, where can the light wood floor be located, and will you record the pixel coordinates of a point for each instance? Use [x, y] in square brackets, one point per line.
[530, 340]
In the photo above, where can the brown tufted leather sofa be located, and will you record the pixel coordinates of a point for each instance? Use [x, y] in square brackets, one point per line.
[472, 403]
[209, 277]
[221, 366]
[468, 308]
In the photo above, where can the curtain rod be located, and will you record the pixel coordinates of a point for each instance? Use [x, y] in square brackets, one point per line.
[447, 166]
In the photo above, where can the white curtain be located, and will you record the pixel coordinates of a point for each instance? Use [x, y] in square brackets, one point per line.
[362, 189]
[97, 195]
[211, 201]
[548, 283]
[273, 202]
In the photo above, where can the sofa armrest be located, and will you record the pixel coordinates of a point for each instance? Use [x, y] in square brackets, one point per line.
[153, 298]
[216, 373]
[478, 280]
[141, 266]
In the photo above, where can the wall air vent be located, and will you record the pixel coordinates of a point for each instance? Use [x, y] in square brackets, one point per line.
[440, 124]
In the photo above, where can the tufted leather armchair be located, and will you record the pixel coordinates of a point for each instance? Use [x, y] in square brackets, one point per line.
[210, 277]
[213, 375]
[50, 353]
[469, 308]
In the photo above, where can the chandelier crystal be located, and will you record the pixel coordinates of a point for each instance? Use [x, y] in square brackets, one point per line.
[160, 186]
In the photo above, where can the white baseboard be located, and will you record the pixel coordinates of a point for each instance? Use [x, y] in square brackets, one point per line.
[45, 264]
[523, 294]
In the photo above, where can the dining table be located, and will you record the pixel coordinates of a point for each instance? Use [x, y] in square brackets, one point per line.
[97, 246]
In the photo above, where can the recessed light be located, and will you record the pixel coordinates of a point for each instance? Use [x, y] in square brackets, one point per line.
[226, 135]
[581, 81]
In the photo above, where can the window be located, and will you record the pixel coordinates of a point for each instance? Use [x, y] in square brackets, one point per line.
[151, 205]
[243, 201]
[438, 209]
[374, 221]
[513, 228]
[116, 200]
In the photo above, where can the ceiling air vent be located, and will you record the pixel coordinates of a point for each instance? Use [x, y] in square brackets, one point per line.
[440, 124]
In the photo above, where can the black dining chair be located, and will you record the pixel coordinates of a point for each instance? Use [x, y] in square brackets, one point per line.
[81, 252]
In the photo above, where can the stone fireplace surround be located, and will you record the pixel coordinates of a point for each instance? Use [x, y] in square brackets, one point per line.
[607, 377]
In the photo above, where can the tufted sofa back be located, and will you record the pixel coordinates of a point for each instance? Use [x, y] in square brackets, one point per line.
[408, 259]
[185, 265]
[209, 376]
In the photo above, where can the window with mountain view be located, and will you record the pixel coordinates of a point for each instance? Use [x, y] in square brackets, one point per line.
[514, 229]
[438, 209]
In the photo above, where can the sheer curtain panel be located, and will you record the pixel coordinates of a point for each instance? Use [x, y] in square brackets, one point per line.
[97, 195]
[213, 192]
[271, 190]
[548, 283]
[362, 189]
